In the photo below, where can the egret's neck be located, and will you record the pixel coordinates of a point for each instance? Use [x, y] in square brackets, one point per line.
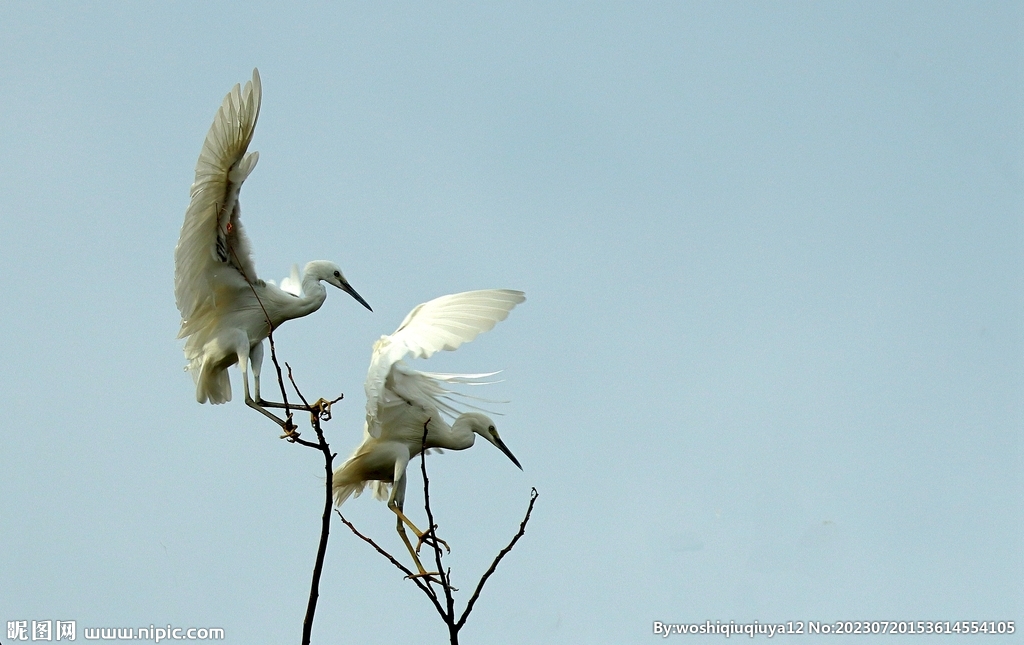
[459, 437]
[313, 296]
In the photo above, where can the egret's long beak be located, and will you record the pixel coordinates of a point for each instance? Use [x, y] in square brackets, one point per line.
[347, 288]
[508, 453]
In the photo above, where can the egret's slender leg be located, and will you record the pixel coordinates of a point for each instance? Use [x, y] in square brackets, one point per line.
[270, 415]
[243, 362]
[421, 537]
[256, 360]
[396, 502]
[423, 573]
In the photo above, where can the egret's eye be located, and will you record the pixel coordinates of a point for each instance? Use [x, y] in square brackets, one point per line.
[492, 429]
[337, 274]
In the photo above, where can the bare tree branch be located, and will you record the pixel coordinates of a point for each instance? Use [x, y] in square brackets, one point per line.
[424, 587]
[449, 613]
[425, 583]
[319, 411]
[325, 529]
[494, 565]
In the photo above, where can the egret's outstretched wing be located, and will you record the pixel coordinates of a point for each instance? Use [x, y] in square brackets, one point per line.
[444, 323]
[213, 251]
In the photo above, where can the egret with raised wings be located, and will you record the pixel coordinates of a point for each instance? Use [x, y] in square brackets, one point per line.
[401, 400]
[226, 311]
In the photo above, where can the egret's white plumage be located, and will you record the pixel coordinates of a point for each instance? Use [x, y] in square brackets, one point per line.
[226, 310]
[400, 399]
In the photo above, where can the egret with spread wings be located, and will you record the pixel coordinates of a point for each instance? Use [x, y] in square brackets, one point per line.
[226, 311]
[401, 400]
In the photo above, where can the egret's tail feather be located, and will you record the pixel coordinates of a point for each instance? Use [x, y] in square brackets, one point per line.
[381, 490]
[212, 386]
[342, 493]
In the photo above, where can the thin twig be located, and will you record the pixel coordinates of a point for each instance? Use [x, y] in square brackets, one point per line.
[425, 585]
[277, 366]
[494, 565]
[325, 529]
[302, 442]
[401, 567]
[286, 423]
[291, 378]
[320, 410]
[449, 614]
[325, 519]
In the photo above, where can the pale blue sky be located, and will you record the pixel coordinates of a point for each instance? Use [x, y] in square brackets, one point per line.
[769, 368]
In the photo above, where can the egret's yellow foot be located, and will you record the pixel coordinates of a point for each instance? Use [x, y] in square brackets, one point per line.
[430, 538]
[428, 575]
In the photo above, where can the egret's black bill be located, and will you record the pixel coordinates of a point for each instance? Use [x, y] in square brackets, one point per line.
[508, 453]
[347, 288]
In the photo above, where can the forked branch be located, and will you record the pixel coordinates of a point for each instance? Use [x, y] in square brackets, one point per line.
[319, 412]
[426, 583]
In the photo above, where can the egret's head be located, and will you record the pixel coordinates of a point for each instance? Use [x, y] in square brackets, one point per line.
[482, 425]
[331, 273]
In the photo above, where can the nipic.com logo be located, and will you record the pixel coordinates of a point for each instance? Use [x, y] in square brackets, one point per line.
[41, 630]
[66, 630]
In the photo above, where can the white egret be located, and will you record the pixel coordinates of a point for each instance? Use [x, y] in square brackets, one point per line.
[226, 311]
[401, 400]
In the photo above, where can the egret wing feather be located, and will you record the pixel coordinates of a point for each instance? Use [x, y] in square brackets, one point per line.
[444, 323]
[213, 252]
[293, 283]
[413, 385]
[428, 390]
